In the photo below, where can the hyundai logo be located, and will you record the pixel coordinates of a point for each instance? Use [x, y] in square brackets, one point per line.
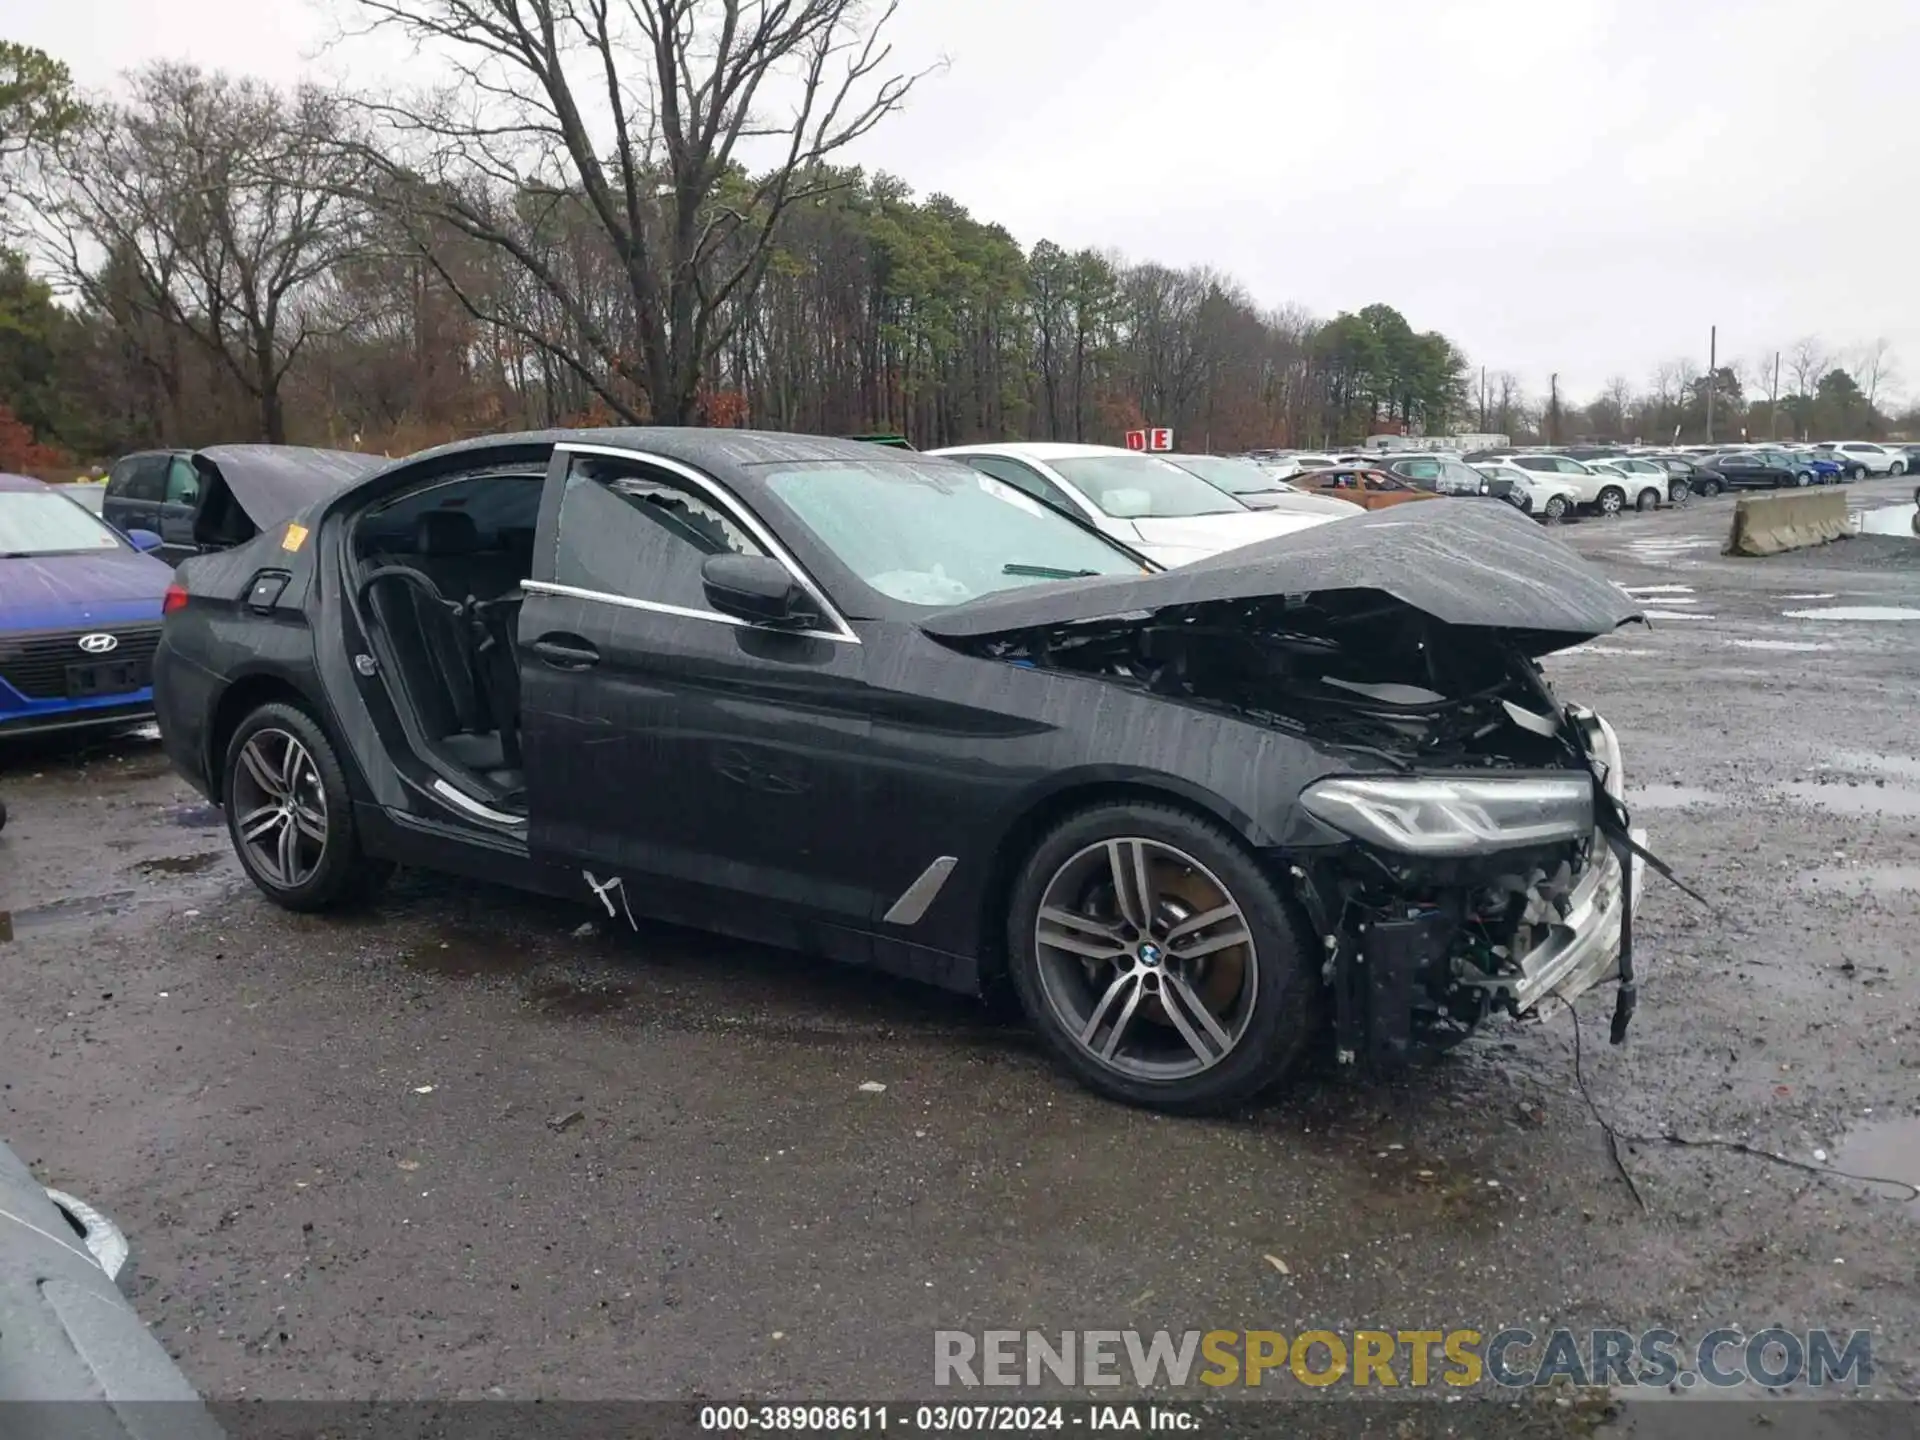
[98, 643]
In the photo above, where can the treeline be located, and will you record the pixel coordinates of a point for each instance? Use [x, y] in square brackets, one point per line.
[205, 258]
[201, 257]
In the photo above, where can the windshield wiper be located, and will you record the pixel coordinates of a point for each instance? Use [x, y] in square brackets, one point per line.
[1047, 572]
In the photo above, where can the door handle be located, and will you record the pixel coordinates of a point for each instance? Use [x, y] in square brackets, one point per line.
[566, 652]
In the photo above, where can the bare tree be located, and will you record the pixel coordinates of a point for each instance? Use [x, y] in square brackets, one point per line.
[217, 206]
[1874, 370]
[1807, 360]
[627, 124]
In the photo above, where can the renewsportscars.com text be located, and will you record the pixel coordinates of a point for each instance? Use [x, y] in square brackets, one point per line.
[1392, 1359]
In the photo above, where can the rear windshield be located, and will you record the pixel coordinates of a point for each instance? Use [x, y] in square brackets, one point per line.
[42, 523]
[1225, 472]
[1141, 487]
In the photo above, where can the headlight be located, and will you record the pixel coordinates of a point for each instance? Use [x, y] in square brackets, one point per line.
[1432, 816]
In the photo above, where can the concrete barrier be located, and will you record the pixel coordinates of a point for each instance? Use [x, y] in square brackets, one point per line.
[1795, 520]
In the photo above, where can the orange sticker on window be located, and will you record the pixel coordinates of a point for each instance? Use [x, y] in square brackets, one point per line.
[296, 537]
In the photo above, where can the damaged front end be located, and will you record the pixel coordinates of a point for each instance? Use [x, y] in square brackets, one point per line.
[1466, 850]
[1422, 947]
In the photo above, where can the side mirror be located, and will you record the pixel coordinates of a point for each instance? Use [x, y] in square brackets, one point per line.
[145, 541]
[756, 588]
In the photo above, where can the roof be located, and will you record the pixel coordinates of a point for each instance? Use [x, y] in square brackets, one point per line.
[21, 482]
[1038, 450]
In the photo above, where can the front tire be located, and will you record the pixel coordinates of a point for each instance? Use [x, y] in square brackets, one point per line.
[1158, 961]
[290, 815]
[1612, 500]
[1555, 509]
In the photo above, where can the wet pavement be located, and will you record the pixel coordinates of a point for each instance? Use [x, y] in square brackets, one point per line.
[460, 1145]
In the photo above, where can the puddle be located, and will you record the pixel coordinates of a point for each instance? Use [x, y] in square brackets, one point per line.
[54, 912]
[1866, 879]
[1819, 595]
[567, 998]
[1856, 612]
[1903, 765]
[1796, 645]
[179, 864]
[1885, 1148]
[1861, 801]
[1670, 797]
[1888, 520]
[1607, 650]
[1676, 615]
[197, 817]
[461, 954]
[1658, 589]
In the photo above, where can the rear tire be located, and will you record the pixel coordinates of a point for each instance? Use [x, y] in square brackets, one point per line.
[1803, 478]
[1647, 500]
[1899, 469]
[1710, 488]
[1118, 1003]
[290, 814]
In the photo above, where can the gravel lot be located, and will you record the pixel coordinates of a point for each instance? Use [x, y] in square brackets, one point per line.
[457, 1147]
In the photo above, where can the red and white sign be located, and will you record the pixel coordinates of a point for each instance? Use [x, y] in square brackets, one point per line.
[1136, 439]
[1161, 439]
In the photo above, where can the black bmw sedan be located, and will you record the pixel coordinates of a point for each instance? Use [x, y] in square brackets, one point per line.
[885, 708]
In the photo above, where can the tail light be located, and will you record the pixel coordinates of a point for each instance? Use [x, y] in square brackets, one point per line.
[175, 599]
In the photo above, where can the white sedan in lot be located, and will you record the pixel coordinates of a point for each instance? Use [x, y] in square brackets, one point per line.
[1548, 497]
[1140, 500]
[1602, 490]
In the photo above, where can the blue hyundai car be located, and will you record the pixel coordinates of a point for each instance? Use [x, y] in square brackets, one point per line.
[80, 608]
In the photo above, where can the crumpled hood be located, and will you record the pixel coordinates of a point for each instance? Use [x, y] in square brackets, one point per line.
[59, 592]
[1215, 533]
[1466, 564]
[270, 484]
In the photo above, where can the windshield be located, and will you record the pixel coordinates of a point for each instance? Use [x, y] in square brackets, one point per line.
[937, 534]
[1141, 487]
[1224, 472]
[39, 523]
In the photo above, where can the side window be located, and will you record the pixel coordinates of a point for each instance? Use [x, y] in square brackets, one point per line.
[1419, 469]
[141, 477]
[1023, 477]
[1528, 462]
[183, 482]
[644, 534]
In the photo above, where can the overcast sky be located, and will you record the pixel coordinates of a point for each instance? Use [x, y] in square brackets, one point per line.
[1560, 185]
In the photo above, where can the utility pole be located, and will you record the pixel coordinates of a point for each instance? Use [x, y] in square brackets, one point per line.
[1483, 399]
[1773, 405]
[1713, 363]
[1553, 409]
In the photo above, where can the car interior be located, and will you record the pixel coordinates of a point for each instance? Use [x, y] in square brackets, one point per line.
[439, 574]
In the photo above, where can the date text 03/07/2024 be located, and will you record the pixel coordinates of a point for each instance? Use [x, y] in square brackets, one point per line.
[942, 1419]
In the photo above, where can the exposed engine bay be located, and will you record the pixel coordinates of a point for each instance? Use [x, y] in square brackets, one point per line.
[1421, 940]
